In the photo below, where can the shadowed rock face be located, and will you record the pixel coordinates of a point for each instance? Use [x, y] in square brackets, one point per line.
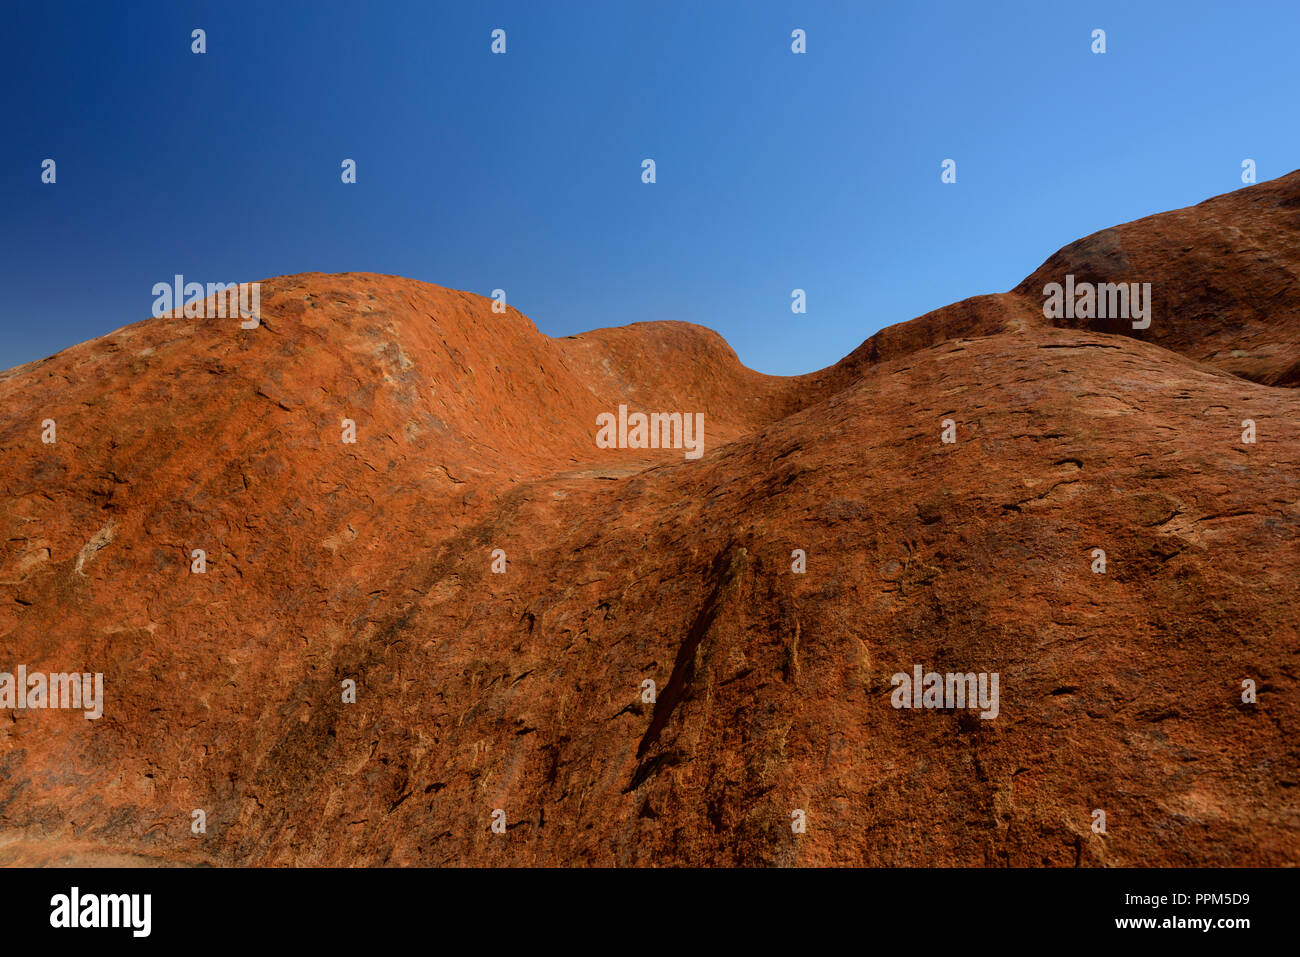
[522, 691]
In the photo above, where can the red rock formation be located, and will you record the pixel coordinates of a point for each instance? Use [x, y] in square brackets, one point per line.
[522, 691]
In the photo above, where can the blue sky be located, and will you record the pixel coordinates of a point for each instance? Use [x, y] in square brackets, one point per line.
[775, 171]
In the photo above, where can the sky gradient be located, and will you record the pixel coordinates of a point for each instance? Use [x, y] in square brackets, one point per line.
[476, 171]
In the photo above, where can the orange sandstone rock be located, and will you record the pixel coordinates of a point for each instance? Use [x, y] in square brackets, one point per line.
[526, 691]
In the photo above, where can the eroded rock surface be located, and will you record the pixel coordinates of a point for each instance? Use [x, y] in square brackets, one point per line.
[328, 561]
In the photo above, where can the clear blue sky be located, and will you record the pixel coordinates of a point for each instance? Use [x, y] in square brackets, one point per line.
[775, 171]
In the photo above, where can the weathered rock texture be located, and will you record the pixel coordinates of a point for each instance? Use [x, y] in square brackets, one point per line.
[522, 691]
